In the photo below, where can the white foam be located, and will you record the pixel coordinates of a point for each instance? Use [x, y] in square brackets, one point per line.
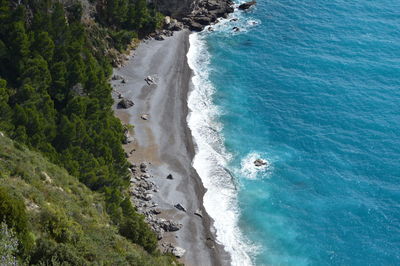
[237, 19]
[211, 157]
[249, 169]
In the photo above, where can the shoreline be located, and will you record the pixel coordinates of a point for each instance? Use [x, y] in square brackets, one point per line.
[165, 144]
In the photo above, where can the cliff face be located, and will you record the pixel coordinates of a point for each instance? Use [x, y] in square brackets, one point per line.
[175, 8]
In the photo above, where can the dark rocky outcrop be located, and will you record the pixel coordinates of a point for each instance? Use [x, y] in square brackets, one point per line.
[125, 103]
[260, 162]
[206, 12]
[247, 5]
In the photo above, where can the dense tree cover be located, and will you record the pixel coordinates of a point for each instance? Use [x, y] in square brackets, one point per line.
[131, 15]
[55, 98]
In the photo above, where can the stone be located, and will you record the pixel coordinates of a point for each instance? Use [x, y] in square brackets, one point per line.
[159, 37]
[195, 26]
[127, 138]
[210, 29]
[156, 211]
[170, 177]
[123, 81]
[149, 80]
[235, 29]
[145, 117]
[178, 252]
[117, 77]
[260, 162]
[247, 5]
[203, 20]
[180, 207]
[145, 176]
[167, 20]
[125, 104]
[199, 213]
[143, 167]
[120, 96]
[1, 134]
[148, 197]
[234, 19]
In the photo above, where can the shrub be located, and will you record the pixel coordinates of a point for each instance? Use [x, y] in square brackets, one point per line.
[12, 211]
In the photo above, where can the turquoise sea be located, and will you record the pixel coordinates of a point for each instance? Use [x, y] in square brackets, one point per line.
[313, 87]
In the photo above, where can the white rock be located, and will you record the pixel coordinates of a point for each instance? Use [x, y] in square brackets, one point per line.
[178, 252]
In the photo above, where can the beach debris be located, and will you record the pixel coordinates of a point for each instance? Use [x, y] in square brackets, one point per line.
[1, 134]
[180, 207]
[260, 162]
[199, 213]
[170, 177]
[178, 252]
[150, 80]
[235, 29]
[247, 5]
[125, 103]
[117, 77]
[144, 117]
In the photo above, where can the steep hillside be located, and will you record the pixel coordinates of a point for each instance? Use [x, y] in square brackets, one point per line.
[65, 221]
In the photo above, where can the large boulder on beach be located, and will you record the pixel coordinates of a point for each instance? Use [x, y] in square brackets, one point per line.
[247, 5]
[125, 103]
[178, 252]
[149, 80]
[195, 26]
[180, 207]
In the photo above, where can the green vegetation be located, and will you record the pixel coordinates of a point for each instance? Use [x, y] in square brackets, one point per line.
[55, 99]
[63, 220]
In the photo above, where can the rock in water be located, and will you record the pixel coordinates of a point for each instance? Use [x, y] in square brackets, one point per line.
[125, 104]
[178, 252]
[180, 207]
[260, 162]
[247, 5]
[170, 177]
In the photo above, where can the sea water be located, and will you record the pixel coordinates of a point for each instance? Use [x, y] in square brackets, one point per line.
[312, 87]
